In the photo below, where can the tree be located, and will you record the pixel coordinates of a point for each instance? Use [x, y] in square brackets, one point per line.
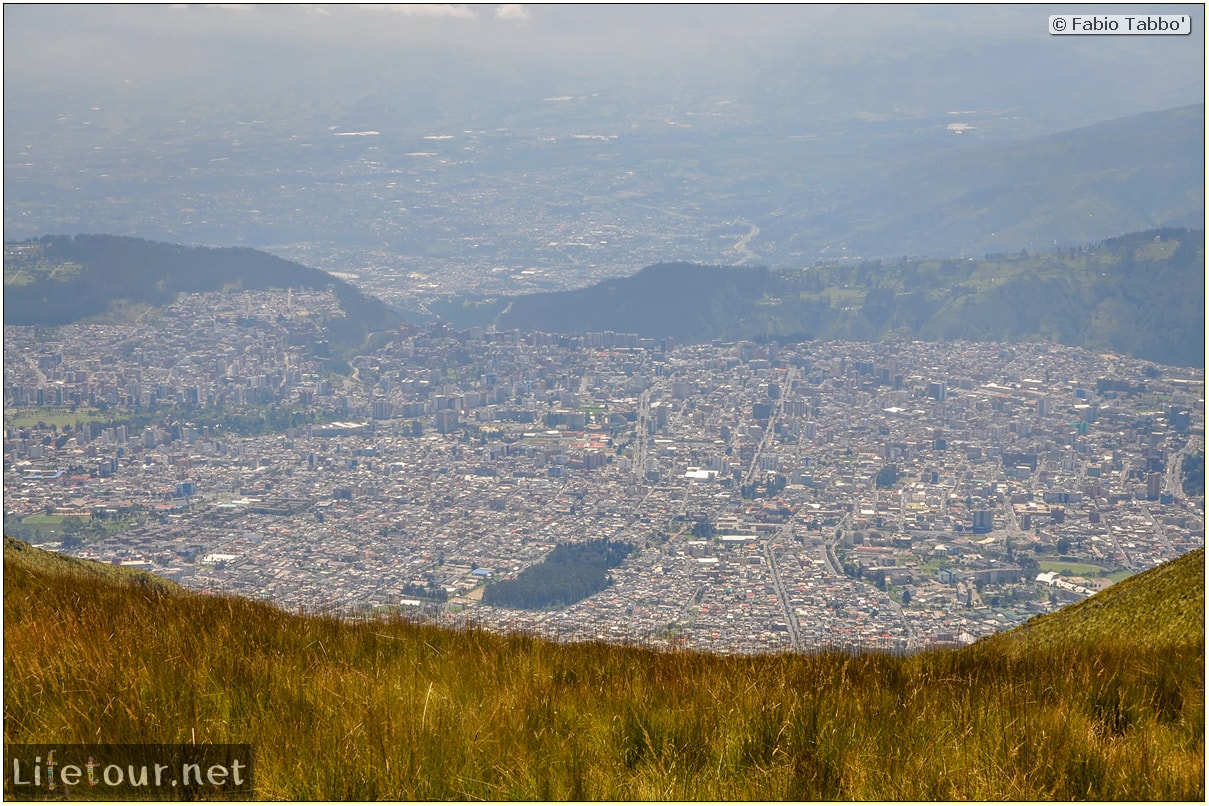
[906, 596]
[1193, 471]
[1063, 545]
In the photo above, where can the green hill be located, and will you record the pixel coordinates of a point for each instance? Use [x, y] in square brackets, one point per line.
[37, 561]
[1162, 607]
[60, 279]
[344, 710]
[1141, 295]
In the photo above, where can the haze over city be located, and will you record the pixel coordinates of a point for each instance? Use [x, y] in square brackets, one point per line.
[435, 148]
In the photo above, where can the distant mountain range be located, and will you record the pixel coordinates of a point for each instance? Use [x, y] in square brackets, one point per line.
[476, 168]
[1075, 187]
[1141, 295]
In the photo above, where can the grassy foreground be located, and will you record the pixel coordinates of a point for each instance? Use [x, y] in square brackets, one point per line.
[398, 711]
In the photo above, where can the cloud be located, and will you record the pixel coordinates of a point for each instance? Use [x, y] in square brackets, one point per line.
[511, 11]
[428, 10]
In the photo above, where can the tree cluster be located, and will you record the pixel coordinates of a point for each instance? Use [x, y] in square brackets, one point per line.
[568, 574]
[1193, 471]
[431, 592]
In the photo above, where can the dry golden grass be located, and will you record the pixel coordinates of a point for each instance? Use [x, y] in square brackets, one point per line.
[365, 711]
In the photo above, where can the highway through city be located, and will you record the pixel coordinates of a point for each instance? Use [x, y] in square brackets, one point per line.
[791, 619]
[766, 439]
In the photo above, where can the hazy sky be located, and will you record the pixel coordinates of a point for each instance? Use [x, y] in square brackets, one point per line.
[95, 42]
[109, 110]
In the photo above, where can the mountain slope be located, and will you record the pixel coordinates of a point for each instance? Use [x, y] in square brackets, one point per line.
[1140, 295]
[105, 270]
[692, 303]
[1078, 186]
[1161, 607]
[18, 554]
[341, 710]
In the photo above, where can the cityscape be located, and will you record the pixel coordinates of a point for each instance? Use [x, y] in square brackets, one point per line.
[604, 402]
[776, 496]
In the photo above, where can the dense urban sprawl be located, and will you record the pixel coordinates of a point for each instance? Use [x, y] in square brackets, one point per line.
[897, 494]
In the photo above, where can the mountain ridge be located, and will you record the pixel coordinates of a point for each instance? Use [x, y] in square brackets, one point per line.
[1062, 189]
[110, 270]
[1140, 294]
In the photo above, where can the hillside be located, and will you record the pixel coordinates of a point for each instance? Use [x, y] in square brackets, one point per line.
[38, 561]
[1139, 172]
[692, 303]
[59, 279]
[1163, 607]
[1141, 295]
[391, 710]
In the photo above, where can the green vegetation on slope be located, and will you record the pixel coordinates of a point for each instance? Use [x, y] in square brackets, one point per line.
[1160, 608]
[109, 272]
[49, 564]
[390, 710]
[1141, 295]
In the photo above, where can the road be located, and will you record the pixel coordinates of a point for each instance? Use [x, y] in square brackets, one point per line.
[641, 432]
[1173, 480]
[1159, 532]
[33, 365]
[829, 547]
[741, 248]
[766, 439]
[791, 619]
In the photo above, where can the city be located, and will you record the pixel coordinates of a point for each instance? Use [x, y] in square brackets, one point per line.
[893, 495]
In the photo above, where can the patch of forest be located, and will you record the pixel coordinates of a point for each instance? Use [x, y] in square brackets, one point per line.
[569, 573]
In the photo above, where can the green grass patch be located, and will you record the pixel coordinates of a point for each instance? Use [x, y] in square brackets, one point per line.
[1072, 568]
[43, 520]
[27, 272]
[29, 418]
